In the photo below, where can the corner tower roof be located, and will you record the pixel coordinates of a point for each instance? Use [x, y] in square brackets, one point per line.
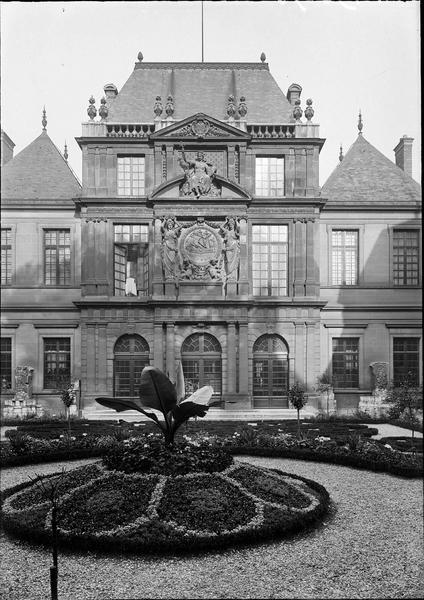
[367, 177]
[201, 87]
[39, 171]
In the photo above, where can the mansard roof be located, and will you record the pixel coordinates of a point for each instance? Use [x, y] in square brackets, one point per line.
[367, 177]
[201, 87]
[39, 171]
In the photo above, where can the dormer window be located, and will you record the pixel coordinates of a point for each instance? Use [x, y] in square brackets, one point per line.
[131, 171]
[269, 176]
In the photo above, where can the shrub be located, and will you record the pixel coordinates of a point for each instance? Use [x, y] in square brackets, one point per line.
[149, 454]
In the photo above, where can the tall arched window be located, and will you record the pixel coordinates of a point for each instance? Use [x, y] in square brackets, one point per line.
[131, 355]
[201, 360]
[270, 372]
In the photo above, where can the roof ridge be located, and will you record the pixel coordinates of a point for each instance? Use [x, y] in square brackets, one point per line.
[201, 65]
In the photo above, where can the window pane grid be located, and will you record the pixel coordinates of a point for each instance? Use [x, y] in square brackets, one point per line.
[405, 256]
[346, 362]
[406, 359]
[6, 363]
[269, 260]
[6, 256]
[57, 363]
[131, 175]
[269, 176]
[57, 257]
[344, 257]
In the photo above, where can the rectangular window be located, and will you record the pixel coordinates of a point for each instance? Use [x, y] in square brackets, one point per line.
[406, 359]
[57, 256]
[269, 260]
[57, 363]
[130, 175]
[346, 362]
[6, 256]
[6, 363]
[405, 256]
[344, 257]
[131, 260]
[269, 176]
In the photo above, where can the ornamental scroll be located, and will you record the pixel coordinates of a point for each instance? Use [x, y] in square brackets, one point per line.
[202, 251]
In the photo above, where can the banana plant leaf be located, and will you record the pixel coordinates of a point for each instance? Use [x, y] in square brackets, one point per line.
[120, 405]
[185, 410]
[157, 391]
[201, 396]
[180, 383]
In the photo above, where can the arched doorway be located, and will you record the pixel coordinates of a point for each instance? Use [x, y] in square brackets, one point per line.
[270, 372]
[201, 360]
[131, 355]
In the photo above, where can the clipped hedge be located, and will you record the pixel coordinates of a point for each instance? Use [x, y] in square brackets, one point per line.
[115, 512]
[403, 443]
[348, 460]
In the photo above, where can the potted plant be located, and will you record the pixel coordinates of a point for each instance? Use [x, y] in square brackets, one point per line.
[298, 399]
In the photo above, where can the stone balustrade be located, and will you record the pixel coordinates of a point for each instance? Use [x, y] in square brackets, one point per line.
[143, 130]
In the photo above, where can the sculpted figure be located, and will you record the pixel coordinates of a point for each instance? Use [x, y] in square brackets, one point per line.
[230, 233]
[199, 174]
[170, 259]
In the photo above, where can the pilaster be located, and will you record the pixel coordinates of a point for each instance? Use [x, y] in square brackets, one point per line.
[158, 346]
[170, 350]
[243, 358]
[231, 358]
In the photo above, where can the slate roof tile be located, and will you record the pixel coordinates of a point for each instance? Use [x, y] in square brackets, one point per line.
[39, 171]
[201, 87]
[366, 176]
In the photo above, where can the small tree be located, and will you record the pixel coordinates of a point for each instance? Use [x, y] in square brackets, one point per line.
[325, 385]
[298, 400]
[68, 398]
[52, 490]
[407, 399]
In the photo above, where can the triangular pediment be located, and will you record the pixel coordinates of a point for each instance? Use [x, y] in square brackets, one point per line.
[200, 126]
[228, 190]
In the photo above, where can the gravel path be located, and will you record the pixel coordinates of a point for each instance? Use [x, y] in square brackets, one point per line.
[371, 547]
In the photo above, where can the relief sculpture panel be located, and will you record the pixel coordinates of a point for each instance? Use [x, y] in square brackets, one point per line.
[202, 251]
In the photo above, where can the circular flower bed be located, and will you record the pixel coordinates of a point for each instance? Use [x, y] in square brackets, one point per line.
[151, 512]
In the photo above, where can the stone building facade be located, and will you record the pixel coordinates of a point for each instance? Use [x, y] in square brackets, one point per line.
[200, 234]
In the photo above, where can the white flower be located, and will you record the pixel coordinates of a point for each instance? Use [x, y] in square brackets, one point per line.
[61, 436]
[85, 434]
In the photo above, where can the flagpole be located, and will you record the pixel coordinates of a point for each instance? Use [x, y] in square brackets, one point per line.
[202, 32]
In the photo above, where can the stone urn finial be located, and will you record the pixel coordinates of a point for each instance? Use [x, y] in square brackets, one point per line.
[297, 111]
[169, 106]
[309, 111]
[103, 110]
[65, 152]
[242, 107]
[44, 119]
[158, 108]
[360, 124]
[140, 56]
[91, 110]
[231, 107]
[263, 57]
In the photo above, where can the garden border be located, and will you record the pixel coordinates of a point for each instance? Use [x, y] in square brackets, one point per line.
[300, 522]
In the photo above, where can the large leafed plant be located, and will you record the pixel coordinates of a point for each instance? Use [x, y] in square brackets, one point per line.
[157, 392]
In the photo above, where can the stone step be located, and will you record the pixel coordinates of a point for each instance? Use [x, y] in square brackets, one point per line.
[259, 414]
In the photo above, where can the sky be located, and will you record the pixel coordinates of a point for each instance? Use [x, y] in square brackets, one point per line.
[346, 56]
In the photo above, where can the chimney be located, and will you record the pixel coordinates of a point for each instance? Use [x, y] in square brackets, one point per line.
[6, 148]
[110, 91]
[293, 93]
[403, 154]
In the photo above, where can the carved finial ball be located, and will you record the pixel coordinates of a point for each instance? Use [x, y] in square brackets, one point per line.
[91, 100]
[309, 101]
[158, 98]
[140, 56]
[263, 57]
[242, 99]
[103, 100]
[297, 101]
